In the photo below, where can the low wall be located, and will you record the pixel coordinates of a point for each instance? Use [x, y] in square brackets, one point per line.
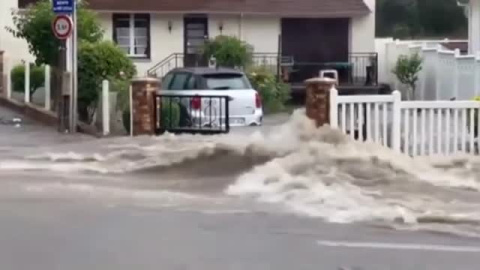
[31, 111]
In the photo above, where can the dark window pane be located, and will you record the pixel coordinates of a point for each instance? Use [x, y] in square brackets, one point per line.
[179, 81]
[191, 83]
[167, 80]
[25, 3]
[226, 81]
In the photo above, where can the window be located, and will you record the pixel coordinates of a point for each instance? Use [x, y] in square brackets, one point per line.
[26, 3]
[167, 80]
[179, 81]
[132, 34]
[191, 83]
[226, 81]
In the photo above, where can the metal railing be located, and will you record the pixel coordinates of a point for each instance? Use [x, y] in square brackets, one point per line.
[206, 114]
[175, 60]
[270, 61]
[360, 69]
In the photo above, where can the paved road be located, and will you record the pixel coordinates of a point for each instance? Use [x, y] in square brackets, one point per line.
[43, 230]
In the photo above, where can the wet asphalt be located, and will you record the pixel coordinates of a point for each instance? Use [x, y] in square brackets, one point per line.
[47, 231]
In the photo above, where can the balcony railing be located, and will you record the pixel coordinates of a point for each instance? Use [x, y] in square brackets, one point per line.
[361, 69]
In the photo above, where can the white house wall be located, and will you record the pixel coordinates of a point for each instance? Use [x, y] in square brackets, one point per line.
[362, 32]
[15, 49]
[163, 42]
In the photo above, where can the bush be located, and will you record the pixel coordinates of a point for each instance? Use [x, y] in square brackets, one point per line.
[170, 116]
[407, 69]
[274, 94]
[97, 62]
[37, 78]
[228, 52]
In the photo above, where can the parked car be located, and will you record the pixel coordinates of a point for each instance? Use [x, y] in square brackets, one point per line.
[199, 85]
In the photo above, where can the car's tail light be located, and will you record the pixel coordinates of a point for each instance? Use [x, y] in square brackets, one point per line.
[258, 101]
[196, 103]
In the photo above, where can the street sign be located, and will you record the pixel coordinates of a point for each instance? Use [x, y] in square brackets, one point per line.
[62, 27]
[63, 6]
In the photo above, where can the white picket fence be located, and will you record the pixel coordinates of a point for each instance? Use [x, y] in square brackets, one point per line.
[416, 128]
[445, 75]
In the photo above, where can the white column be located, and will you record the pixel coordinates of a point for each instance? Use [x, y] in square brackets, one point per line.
[105, 108]
[333, 108]
[47, 88]
[474, 26]
[27, 82]
[397, 121]
[8, 72]
[456, 76]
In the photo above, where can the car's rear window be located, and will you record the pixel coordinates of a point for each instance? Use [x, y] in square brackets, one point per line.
[226, 81]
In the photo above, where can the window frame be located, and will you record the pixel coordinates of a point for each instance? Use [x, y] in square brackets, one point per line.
[132, 17]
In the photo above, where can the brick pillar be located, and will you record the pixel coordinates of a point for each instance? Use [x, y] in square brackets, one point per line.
[143, 94]
[318, 100]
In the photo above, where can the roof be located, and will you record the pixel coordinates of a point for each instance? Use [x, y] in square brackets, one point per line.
[286, 8]
[209, 71]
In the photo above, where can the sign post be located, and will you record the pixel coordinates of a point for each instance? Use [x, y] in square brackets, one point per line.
[65, 28]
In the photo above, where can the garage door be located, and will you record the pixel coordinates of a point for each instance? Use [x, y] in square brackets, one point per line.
[314, 41]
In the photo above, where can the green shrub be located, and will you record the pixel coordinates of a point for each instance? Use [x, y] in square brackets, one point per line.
[228, 51]
[274, 94]
[169, 116]
[97, 62]
[37, 78]
[407, 69]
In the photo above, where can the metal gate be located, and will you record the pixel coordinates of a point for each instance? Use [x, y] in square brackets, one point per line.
[194, 114]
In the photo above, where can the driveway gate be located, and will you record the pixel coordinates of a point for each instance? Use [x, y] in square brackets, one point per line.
[195, 114]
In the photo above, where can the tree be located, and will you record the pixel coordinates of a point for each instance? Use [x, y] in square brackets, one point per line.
[415, 18]
[35, 26]
[406, 70]
[228, 51]
[97, 62]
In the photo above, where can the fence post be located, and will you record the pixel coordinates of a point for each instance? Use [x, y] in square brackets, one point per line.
[477, 74]
[397, 112]
[143, 110]
[456, 75]
[47, 88]
[27, 82]
[318, 101]
[333, 108]
[105, 108]
[437, 73]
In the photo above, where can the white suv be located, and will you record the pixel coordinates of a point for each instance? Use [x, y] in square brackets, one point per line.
[245, 104]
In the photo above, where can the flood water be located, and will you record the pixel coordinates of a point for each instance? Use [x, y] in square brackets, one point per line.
[292, 168]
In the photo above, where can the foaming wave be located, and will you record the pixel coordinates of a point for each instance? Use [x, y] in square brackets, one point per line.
[329, 176]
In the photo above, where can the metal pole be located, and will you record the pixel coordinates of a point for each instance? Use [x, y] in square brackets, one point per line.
[74, 69]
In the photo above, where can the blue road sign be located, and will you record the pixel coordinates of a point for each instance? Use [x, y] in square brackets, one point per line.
[63, 6]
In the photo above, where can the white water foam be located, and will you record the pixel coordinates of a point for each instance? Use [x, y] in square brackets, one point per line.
[310, 171]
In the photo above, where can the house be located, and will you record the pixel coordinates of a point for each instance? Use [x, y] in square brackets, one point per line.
[159, 35]
[310, 31]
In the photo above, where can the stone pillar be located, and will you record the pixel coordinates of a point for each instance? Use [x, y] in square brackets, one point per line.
[143, 95]
[318, 99]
